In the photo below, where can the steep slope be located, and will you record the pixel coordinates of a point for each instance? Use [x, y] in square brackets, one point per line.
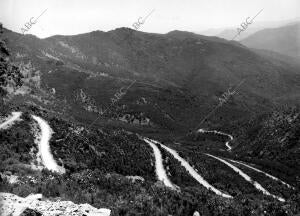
[247, 178]
[273, 138]
[260, 171]
[100, 178]
[177, 74]
[107, 165]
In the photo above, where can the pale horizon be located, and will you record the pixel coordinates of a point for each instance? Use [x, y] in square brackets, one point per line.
[77, 17]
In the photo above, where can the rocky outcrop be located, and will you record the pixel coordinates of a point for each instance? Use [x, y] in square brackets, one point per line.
[30, 212]
[13, 205]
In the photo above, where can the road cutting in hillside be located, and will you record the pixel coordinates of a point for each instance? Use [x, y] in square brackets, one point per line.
[44, 148]
[258, 170]
[219, 133]
[159, 167]
[192, 171]
[15, 116]
[247, 178]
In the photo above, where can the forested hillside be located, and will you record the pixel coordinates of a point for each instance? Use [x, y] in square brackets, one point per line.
[66, 132]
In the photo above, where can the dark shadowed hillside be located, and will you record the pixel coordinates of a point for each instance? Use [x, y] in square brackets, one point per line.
[272, 141]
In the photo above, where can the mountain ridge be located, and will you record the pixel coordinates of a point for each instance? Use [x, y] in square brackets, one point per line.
[203, 66]
[284, 40]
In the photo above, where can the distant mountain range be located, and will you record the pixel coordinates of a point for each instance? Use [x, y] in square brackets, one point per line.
[230, 32]
[284, 40]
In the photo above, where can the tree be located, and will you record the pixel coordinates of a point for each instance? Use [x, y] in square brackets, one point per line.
[10, 75]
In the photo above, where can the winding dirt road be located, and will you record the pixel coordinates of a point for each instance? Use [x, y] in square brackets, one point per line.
[161, 173]
[10, 120]
[192, 171]
[219, 133]
[50, 163]
[159, 167]
[247, 178]
[260, 171]
[44, 148]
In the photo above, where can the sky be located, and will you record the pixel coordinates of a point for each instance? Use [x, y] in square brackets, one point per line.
[70, 17]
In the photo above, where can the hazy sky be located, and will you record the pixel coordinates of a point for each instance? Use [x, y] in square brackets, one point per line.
[79, 16]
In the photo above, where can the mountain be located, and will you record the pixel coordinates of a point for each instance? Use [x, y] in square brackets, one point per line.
[178, 73]
[284, 40]
[110, 122]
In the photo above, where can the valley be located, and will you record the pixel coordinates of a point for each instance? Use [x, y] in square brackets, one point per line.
[161, 173]
[96, 125]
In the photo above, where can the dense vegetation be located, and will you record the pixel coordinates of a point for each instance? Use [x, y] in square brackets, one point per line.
[10, 75]
[127, 198]
[101, 162]
[273, 137]
[98, 161]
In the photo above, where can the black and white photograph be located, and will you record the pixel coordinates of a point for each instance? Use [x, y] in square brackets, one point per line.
[149, 108]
